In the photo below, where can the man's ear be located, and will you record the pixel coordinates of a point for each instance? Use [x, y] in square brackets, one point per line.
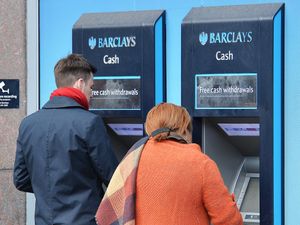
[79, 84]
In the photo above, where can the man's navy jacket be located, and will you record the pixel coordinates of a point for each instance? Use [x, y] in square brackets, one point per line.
[63, 156]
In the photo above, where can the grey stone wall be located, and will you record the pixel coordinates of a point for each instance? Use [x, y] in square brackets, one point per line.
[12, 66]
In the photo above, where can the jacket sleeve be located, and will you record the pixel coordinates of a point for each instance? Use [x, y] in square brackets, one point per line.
[100, 150]
[219, 204]
[21, 176]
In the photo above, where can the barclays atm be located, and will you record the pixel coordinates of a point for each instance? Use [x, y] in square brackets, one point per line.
[232, 85]
[128, 50]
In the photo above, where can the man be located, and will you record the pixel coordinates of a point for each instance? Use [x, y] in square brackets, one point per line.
[63, 153]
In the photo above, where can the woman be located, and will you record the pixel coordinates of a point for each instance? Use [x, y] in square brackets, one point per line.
[166, 179]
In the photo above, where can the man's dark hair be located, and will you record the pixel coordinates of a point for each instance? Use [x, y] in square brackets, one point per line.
[71, 68]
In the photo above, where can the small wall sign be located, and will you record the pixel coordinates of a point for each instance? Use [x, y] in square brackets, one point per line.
[9, 93]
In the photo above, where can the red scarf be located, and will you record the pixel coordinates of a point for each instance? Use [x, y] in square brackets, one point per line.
[73, 93]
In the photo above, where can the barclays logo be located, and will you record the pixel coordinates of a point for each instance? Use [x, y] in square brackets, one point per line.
[112, 42]
[225, 37]
[203, 37]
[92, 42]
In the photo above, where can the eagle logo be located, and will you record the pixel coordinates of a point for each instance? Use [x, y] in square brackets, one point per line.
[203, 37]
[92, 42]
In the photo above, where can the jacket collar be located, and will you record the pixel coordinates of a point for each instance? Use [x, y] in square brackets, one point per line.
[61, 102]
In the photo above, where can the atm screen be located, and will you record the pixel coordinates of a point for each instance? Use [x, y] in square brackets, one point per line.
[240, 129]
[116, 93]
[125, 129]
[226, 91]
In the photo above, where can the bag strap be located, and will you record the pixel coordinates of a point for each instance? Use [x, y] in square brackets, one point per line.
[172, 136]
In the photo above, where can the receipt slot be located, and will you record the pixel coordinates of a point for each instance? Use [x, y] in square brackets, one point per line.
[128, 50]
[232, 85]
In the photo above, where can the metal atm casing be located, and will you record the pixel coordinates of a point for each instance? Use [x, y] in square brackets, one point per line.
[128, 50]
[232, 67]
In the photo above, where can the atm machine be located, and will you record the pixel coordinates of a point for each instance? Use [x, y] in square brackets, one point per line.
[128, 50]
[232, 85]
